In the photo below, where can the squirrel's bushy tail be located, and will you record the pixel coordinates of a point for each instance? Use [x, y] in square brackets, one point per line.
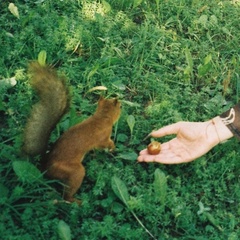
[53, 103]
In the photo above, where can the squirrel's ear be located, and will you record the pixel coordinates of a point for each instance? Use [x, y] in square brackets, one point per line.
[100, 99]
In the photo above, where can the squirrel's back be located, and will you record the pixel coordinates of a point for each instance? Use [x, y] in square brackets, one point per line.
[52, 105]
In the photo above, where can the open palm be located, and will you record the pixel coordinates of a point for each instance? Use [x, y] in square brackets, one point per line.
[193, 139]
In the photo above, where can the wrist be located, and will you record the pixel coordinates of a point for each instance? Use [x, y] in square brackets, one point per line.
[222, 130]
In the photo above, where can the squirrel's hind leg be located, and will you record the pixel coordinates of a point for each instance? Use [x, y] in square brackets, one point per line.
[71, 174]
[73, 182]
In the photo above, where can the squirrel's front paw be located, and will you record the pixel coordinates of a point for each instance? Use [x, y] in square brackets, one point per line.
[72, 200]
[111, 146]
[111, 149]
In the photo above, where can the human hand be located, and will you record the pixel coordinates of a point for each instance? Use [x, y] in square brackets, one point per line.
[193, 139]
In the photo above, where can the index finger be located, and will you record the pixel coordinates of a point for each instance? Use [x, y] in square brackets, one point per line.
[167, 130]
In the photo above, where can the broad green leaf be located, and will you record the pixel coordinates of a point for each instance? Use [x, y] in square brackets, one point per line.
[119, 85]
[213, 220]
[120, 189]
[39, 1]
[203, 20]
[106, 6]
[131, 104]
[131, 122]
[136, 3]
[117, 207]
[122, 137]
[64, 230]
[204, 69]
[14, 10]
[226, 31]
[42, 56]
[9, 35]
[213, 20]
[160, 186]
[128, 156]
[208, 58]
[26, 171]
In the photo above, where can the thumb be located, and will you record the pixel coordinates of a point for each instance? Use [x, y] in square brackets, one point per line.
[168, 130]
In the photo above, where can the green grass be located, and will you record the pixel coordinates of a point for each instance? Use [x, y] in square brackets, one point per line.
[167, 61]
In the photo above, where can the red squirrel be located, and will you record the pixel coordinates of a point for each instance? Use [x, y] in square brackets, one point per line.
[64, 160]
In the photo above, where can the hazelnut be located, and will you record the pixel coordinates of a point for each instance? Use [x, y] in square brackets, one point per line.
[154, 148]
